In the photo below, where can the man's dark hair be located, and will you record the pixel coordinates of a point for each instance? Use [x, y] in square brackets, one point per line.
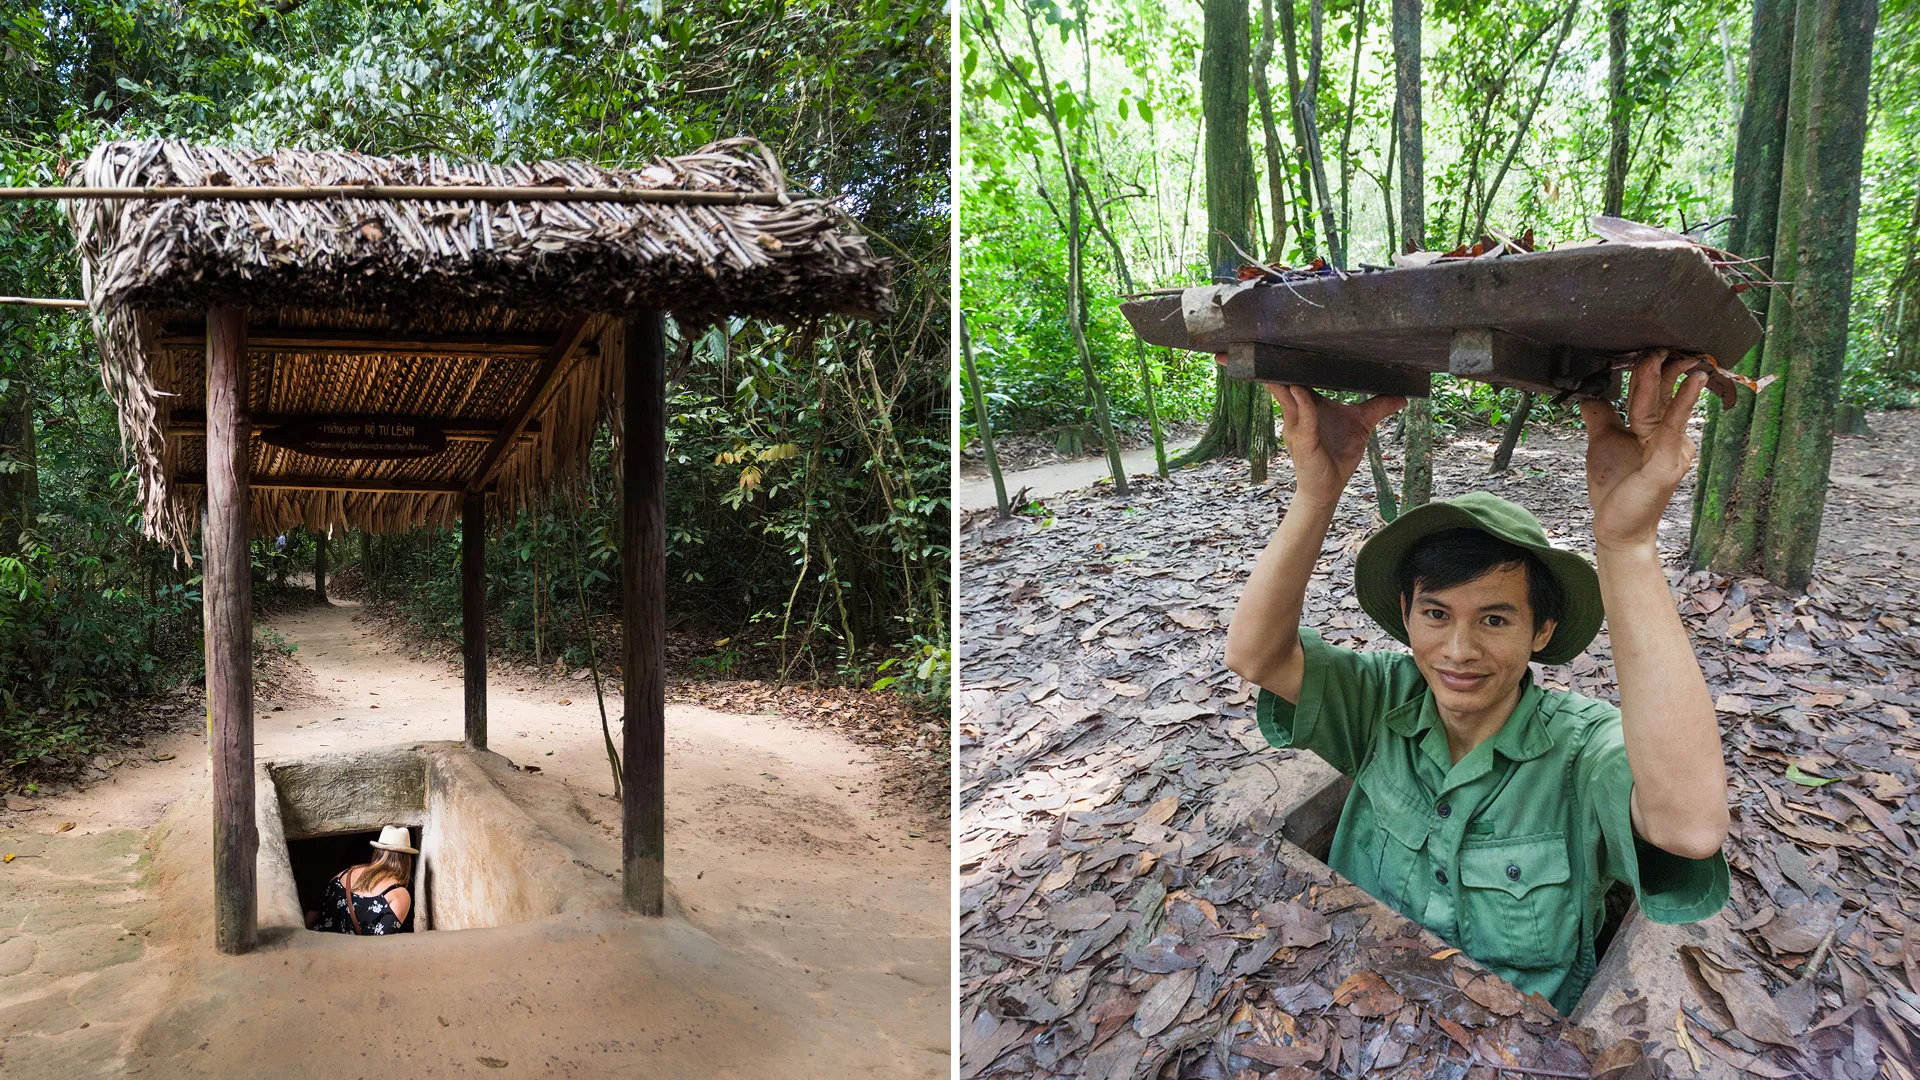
[1456, 556]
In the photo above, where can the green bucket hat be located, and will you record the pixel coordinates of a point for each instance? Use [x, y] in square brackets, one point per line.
[1376, 569]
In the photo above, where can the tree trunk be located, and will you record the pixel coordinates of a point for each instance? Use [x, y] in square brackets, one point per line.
[1905, 319]
[1346, 126]
[1774, 521]
[981, 418]
[1229, 186]
[1406, 63]
[1520, 132]
[1619, 110]
[1382, 483]
[1139, 347]
[1756, 207]
[1417, 473]
[1823, 290]
[1510, 438]
[1276, 168]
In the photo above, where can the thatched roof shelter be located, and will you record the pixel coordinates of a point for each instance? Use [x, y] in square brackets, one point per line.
[334, 339]
[492, 325]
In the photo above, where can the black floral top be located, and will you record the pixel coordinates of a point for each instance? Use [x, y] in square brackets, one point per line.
[375, 914]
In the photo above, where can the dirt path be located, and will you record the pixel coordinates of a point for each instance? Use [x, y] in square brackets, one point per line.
[1046, 480]
[805, 900]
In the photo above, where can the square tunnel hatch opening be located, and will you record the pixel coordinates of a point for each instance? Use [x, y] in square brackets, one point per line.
[316, 859]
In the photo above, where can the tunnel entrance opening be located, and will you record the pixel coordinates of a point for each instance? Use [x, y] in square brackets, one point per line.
[316, 859]
[1312, 815]
[483, 862]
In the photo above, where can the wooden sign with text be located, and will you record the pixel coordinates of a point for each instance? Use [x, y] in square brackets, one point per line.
[359, 437]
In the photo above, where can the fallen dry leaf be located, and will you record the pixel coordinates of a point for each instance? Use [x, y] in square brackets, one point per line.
[1365, 993]
[1162, 1004]
[1745, 996]
[1082, 913]
[1161, 811]
[1495, 994]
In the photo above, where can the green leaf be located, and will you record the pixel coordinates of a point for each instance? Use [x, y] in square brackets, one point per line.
[1807, 779]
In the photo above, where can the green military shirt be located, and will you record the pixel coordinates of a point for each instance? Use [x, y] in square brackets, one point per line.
[1508, 853]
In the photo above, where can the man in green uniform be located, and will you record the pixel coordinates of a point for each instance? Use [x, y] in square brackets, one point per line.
[1489, 810]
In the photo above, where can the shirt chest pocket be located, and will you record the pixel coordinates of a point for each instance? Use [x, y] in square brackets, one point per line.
[1517, 902]
[1400, 852]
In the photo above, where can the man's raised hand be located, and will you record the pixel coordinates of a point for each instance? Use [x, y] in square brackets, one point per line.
[1326, 439]
[1634, 466]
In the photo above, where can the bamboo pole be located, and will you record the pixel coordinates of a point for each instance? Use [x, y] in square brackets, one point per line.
[643, 582]
[228, 598]
[42, 301]
[402, 193]
[473, 613]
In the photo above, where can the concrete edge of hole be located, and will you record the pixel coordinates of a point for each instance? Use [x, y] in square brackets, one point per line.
[489, 859]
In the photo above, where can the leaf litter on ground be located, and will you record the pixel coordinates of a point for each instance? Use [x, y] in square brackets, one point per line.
[1092, 737]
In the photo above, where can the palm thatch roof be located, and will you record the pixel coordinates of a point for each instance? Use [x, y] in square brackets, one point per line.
[466, 316]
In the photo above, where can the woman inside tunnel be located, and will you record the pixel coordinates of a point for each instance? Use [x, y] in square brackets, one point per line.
[371, 898]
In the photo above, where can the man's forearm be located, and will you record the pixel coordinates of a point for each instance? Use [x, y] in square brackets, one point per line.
[1263, 641]
[1666, 712]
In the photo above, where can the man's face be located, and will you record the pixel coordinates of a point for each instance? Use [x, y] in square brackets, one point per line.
[1473, 641]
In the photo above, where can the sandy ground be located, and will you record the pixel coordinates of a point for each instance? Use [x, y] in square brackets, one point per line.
[977, 493]
[814, 937]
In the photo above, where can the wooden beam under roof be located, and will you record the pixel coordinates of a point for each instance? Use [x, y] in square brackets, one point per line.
[194, 422]
[372, 485]
[371, 341]
[544, 377]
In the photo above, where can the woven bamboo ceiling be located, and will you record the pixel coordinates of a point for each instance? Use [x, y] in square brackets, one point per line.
[483, 339]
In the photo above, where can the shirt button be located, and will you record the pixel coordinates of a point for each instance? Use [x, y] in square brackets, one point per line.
[1444, 809]
[1440, 876]
[1513, 872]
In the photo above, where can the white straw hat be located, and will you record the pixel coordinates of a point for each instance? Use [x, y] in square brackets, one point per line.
[394, 838]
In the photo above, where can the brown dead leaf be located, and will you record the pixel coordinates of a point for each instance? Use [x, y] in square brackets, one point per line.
[1161, 1005]
[1745, 996]
[1495, 994]
[1621, 1054]
[1081, 913]
[1299, 925]
[1161, 811]
[1281, 1056]
[64, 826]
[1800, 928]
[1365, 993]
[1192, 618]
[1062, 875]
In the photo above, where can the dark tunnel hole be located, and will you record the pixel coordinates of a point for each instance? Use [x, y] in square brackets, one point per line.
[317, 859]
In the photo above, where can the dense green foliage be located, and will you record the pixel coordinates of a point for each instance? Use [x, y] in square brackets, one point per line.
[1128, 73]
[808, 474]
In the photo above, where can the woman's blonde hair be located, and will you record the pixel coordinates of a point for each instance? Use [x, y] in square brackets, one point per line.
[395, 866]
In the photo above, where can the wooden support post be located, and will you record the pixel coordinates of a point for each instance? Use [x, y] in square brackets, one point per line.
[643, 577]
[473, 613]
[228, 598]
[320, 567]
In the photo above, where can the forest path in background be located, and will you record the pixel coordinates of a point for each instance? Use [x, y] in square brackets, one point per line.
[1048, 480]
[779, 847]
